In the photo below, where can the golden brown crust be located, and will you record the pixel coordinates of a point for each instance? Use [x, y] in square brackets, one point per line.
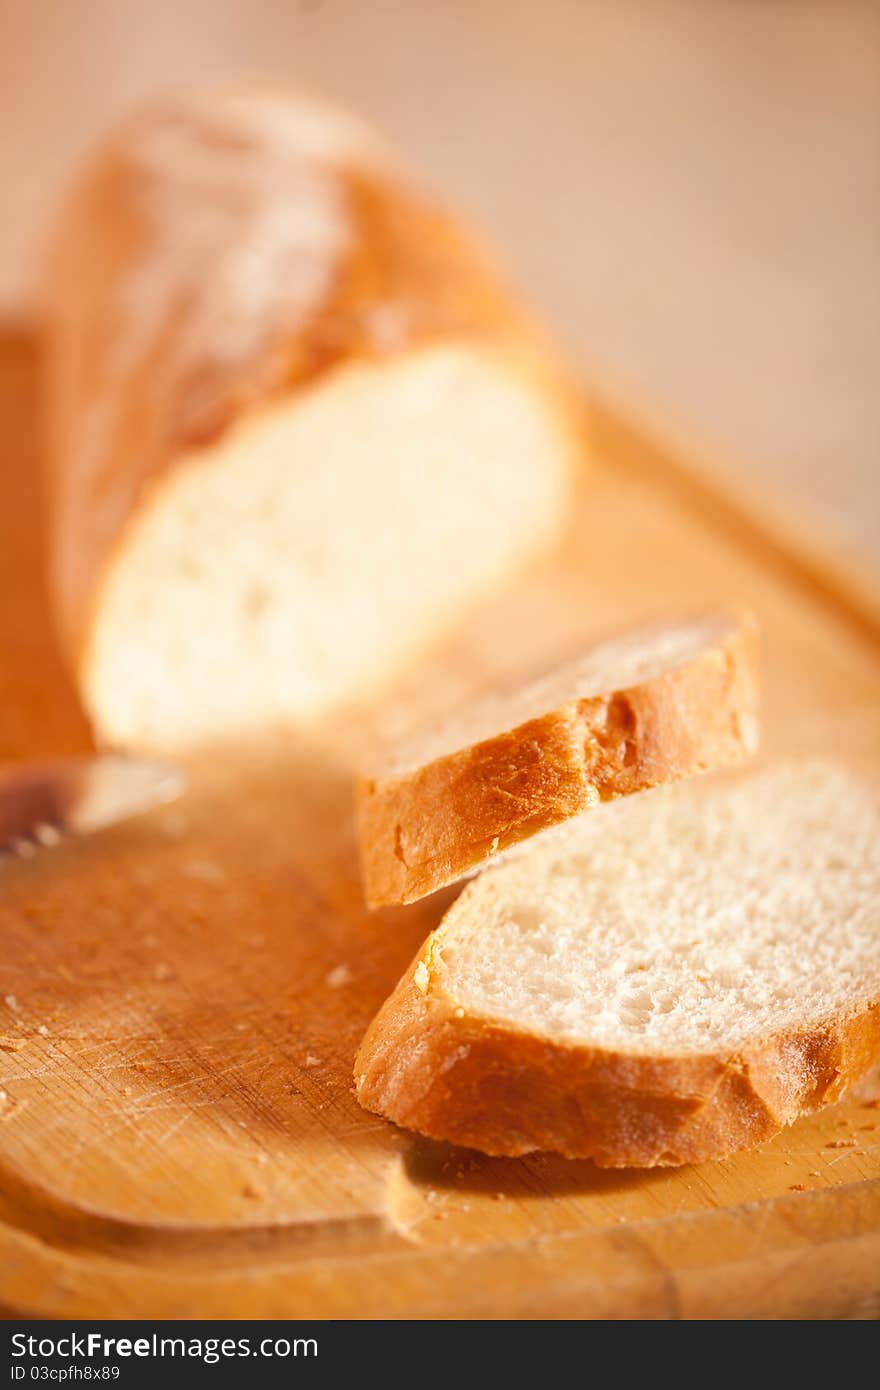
[409, 276]
[422, 829]
[428, 1067]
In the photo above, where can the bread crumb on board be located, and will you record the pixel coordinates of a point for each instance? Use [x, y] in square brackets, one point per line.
[337, 977]
[47, 834]
[841, 1144]
[8, 1105]
[8, 1043]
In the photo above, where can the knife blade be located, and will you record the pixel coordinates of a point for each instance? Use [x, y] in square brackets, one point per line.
[40, 803]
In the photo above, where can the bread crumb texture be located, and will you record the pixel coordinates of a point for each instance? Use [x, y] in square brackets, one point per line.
[683, 922]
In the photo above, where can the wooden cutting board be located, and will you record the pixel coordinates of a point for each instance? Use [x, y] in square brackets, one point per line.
[181, 998]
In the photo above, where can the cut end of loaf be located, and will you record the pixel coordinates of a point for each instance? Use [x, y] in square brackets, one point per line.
[313, 551]
[661, 982]
[657, 703]
[296, 421]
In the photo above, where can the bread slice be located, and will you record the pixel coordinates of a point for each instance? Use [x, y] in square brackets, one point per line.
[657, 703]
[297, 424]
[665, 981]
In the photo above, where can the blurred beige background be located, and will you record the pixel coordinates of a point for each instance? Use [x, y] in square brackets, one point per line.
[689, 189]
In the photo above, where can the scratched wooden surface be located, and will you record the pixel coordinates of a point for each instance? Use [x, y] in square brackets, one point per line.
[181, 998]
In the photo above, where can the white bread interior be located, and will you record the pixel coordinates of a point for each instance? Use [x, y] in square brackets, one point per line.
[693, 920]
[316, 547]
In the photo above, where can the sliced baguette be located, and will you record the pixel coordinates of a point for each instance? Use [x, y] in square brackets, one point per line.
[666, 981]
[655, 704]
[297, 423]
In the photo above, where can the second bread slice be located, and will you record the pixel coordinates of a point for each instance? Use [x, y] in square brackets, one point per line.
[650, 706]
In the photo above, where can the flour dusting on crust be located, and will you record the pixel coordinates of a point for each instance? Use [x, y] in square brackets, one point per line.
[236, 225]
[245, 227]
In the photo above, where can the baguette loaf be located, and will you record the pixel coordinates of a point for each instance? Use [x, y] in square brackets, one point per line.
[296, 424]
[655, 704]
[665, 981]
